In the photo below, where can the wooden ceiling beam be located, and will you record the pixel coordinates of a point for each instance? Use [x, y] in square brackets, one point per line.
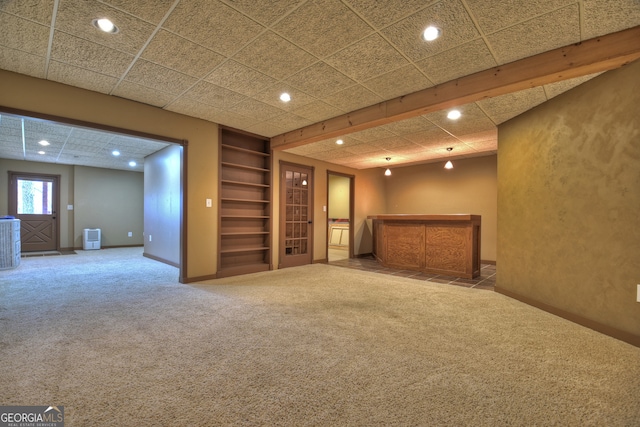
[575, 60]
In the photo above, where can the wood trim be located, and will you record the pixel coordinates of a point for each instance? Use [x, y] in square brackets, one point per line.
[352, 189]
[162, 260]
[87, 125]
[486, 261]
[198, 278]
[583, 321]
[574, 60]
[184, 250]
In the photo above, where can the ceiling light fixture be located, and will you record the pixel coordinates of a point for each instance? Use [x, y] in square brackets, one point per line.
[454, 115]
[339, 142]
[132, 163]
[115, 153]
[105, 25]
[388, 171]
[449, 165]
[44, 143]
[431, 33]
[40, 152]
[285, 97]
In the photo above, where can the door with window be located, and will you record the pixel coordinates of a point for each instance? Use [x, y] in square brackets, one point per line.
[33, 199]
[296, 215]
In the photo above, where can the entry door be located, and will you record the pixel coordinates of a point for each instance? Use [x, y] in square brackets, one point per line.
[33, 199]
[296, 215]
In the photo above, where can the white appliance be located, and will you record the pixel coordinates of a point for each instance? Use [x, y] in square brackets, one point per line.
[91, 239]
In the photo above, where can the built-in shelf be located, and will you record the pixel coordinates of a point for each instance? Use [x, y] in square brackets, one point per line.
[244, 244]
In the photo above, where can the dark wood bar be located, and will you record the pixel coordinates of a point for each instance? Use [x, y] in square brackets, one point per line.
[440, 244]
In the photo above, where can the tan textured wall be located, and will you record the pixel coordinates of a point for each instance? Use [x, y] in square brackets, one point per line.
[470, 187]
[111, 200]
[569, 201]
[46, 97]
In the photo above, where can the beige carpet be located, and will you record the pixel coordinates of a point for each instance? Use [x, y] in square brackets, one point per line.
[310, 346]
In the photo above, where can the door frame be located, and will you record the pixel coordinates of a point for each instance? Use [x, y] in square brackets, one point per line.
[283, 210]
[352, 188]
[14, 175]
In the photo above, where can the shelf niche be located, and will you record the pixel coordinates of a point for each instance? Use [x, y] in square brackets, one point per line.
[245, 209]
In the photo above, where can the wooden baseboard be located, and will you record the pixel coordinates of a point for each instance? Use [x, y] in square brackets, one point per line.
[162, 260]
[185, 280]
[320, 261]
[486, 261]
[588, 323]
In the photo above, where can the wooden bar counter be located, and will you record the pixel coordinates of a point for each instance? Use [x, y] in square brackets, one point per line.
[440, 244]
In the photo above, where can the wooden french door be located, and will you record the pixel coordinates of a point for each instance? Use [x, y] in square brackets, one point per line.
[34, 200]
[296, 215]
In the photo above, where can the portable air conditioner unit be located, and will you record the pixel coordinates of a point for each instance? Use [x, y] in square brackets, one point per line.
[91, 238]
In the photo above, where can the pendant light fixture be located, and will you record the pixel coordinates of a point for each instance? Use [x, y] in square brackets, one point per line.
[449, 165]
[388, 171]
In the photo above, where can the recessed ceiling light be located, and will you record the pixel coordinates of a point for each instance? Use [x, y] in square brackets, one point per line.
[115, 153]
[454, 115]
[104, 24]
[40, 152]
[132, 163]
[339, 142]
[431, 33]
[285, 97]
[44, 143]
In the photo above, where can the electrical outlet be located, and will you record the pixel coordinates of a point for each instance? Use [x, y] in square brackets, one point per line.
[149, 237]
[208, 203]
[130, 234]
[638, 294]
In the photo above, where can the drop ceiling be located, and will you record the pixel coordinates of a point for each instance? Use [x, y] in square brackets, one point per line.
[228, 62]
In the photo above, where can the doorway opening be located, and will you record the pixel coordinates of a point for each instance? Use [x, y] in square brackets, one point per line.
[340, 213]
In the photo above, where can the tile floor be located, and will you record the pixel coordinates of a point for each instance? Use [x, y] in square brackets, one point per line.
[486, 281]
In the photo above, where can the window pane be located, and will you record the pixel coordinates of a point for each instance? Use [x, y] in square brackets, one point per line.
[34, 197]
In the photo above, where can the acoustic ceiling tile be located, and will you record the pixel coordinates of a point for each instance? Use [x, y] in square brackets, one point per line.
[213, 25]
[543, 33]
[380, 14]
[180, 54]
[216, 96]
[320, 80]
[446, 66]
[22, 62]
[34, 10]
[151, 11]
[430, 136]
[80, 77]
[256, 110]
[479, 137]
[555, 89]
[23, 35]
[450, 16]
[372, 134]
[504, 107]
[272, 94]
[328, 27]
[399, 82]
[89, 55]
[353, 98]
[317, 111]
[288, 121]
[265, 12]
[284, 58]
[75, 17]
[160, 78]
[362, 148]
[239, 78]
[190, 107]
[511, 13]
[367, 58]
[392, 143]
[409, 126]
[605, 16]
[143, 94]
[265, 129]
